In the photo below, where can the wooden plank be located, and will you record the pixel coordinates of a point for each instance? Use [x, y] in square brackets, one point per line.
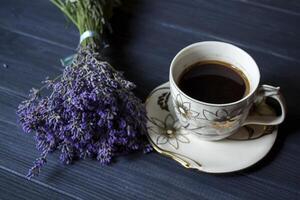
[24, 189]
[255, 27]
[145, 176]
[291, 7]
[15, 53]
[251, 26]
[40, 20]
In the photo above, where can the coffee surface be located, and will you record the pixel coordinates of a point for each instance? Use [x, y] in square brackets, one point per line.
[213, 82]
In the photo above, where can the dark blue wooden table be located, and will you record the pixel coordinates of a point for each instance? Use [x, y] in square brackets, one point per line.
[147, 35]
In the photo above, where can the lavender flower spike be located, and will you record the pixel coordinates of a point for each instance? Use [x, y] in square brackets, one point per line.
[91, 112]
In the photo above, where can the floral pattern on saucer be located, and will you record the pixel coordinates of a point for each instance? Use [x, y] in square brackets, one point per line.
[163, 101]
[168, 131]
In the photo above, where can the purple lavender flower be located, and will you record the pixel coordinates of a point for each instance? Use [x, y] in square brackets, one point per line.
[91, 112]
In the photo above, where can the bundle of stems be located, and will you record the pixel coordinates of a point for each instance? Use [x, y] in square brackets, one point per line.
[88, 15]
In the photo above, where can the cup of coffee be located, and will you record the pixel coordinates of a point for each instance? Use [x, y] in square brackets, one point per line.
[213, 87]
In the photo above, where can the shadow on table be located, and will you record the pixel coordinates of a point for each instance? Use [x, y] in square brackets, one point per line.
[122, 44]
[285, 130]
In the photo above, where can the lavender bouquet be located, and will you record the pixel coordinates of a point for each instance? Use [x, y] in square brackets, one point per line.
[90, 110]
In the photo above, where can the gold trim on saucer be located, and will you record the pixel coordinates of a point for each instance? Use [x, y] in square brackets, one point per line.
[175, 156]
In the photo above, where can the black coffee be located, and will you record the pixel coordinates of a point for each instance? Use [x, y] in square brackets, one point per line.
[213, 82]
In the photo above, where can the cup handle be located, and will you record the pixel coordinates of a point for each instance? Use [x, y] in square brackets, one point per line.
[272, 92]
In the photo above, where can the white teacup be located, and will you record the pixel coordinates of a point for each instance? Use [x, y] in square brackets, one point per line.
[218, 121]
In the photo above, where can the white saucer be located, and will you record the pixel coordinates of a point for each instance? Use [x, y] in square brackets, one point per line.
[241, 150]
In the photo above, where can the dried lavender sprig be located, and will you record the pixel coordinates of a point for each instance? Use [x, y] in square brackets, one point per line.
[91, 112]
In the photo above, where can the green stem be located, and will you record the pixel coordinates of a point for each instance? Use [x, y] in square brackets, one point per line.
[61, 6]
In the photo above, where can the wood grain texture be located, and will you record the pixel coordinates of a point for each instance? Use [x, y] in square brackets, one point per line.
[291, 7]
[144, 177]
[147, 35]
[36, 19]
[44, 61]
[247, 25]
[272, 31]
[15, 186]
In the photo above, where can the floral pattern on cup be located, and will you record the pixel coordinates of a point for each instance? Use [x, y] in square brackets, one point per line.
[184, 109]
[222, 118]
[168, 131]
[212, 121]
